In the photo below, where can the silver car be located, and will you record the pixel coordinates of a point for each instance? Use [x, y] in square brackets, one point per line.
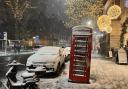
[46, 59]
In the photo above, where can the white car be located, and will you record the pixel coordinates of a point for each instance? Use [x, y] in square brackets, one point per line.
[66, 53]
[46, 59]
[37, 47]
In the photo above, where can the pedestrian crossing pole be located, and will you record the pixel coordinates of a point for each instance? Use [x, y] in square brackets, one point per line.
[5, 38]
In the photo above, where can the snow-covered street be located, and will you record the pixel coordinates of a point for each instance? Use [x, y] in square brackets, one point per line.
[105, 74]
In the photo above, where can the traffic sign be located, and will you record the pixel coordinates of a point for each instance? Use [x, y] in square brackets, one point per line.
[5, 35]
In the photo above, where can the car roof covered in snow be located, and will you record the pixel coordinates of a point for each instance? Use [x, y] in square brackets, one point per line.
[48, 50]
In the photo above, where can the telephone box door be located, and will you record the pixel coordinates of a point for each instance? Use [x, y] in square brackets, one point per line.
[80, 57]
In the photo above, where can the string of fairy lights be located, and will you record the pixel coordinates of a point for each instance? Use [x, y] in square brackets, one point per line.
[104, 21]
[18, 7]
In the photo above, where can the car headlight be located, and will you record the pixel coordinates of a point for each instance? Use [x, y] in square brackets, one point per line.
[50, 64]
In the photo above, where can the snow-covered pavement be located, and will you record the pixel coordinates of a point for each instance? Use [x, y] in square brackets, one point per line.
[61, 82]
[105, 74]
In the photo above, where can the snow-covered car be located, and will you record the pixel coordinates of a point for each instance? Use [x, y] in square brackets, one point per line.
[66, 53]
[46, 59]
[37, 47]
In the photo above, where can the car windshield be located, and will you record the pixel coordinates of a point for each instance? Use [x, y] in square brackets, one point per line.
[48, 51]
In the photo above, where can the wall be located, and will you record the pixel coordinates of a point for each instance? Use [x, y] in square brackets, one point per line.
[115, 34]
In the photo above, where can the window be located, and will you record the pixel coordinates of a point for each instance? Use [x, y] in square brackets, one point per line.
[126, 3]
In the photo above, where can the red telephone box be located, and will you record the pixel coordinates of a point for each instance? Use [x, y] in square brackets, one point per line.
[80, 57]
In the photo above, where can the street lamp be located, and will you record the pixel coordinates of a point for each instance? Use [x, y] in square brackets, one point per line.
[34, 37]
[89, 22]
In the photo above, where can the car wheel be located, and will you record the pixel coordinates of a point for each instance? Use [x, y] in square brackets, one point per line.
[58, 69]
